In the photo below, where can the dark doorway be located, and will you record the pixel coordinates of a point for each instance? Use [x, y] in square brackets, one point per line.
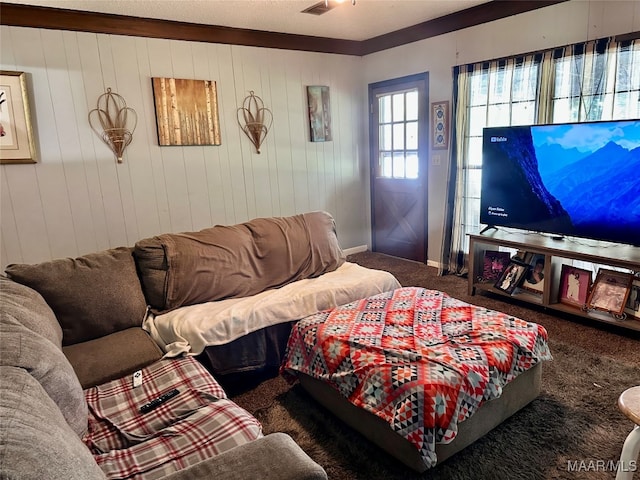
[398, 146]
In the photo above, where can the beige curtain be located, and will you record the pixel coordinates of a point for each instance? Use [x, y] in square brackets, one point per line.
[487, 89]
[451, 238]
[545, 97]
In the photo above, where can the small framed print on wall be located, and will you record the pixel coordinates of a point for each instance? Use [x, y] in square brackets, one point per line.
[17, 144]
[319, 99]
[440, 125]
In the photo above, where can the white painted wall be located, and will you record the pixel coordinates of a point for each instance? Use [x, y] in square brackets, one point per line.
[558, 25]
[77, 199]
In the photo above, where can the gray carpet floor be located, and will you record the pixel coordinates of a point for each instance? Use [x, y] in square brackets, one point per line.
[573, 430]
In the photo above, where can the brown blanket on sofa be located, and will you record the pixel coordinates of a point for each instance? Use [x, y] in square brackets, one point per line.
[237, 260]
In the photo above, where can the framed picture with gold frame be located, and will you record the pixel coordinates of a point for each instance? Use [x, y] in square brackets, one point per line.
[17, 144]
[610, 291]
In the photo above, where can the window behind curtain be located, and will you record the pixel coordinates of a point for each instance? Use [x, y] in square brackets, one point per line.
[500, 93]
[598, 80]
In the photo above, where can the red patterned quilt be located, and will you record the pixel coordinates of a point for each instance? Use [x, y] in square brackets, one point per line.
[419, 359]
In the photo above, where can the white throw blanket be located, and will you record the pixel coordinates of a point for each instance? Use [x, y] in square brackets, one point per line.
[190, 329]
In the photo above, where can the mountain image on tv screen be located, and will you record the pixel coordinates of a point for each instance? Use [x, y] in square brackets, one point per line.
[578, 179]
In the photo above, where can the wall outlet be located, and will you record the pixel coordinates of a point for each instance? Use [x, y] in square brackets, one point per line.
[436, 160]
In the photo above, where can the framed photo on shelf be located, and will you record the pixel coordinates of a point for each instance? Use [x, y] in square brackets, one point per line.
[632, 307]
[534, 279]
[610, 291]
[494, 264]
[574, 285]
[512, 276]
[523, 256]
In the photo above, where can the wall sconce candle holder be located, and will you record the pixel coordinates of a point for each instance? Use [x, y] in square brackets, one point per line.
[111, 115]
[255, 118]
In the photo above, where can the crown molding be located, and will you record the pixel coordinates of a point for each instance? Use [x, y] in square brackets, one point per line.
[483, 13]
[75, 20]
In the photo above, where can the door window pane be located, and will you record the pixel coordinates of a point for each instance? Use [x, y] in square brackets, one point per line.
[412, 165]
[398, 107]
[386, 165]
[412, 135]
[384, 109]
[398, 165]
[398, 135]
[385, 137]
[412, 105]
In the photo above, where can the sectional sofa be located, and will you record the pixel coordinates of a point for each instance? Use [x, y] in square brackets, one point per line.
[77, 366]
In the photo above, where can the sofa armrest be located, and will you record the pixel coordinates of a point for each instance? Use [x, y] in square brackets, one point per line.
[112, 356]
[273, 457]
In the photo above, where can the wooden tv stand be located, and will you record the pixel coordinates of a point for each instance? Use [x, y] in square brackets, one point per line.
[557, 252]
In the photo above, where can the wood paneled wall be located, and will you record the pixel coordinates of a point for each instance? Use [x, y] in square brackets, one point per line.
[77, 199]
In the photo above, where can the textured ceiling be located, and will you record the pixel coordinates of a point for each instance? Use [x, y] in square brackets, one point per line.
[366, 19]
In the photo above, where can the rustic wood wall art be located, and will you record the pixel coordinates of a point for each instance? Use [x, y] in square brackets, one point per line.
[186, 111]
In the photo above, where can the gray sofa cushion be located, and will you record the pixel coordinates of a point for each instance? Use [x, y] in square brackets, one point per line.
[29, 308]
[152, 264]
[274, 457]
[92, 296]
[112, 356]
[35, 440]
[47, 364]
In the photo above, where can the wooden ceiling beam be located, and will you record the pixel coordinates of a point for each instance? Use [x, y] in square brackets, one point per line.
[74, 20]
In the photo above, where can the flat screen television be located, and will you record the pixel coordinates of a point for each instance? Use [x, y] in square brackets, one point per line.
[571, 179]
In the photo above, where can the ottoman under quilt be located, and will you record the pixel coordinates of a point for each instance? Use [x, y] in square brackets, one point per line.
[418, 359]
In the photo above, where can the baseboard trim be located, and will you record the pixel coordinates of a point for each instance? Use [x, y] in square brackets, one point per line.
[358, 249]
[364, 248]
[433, 263]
